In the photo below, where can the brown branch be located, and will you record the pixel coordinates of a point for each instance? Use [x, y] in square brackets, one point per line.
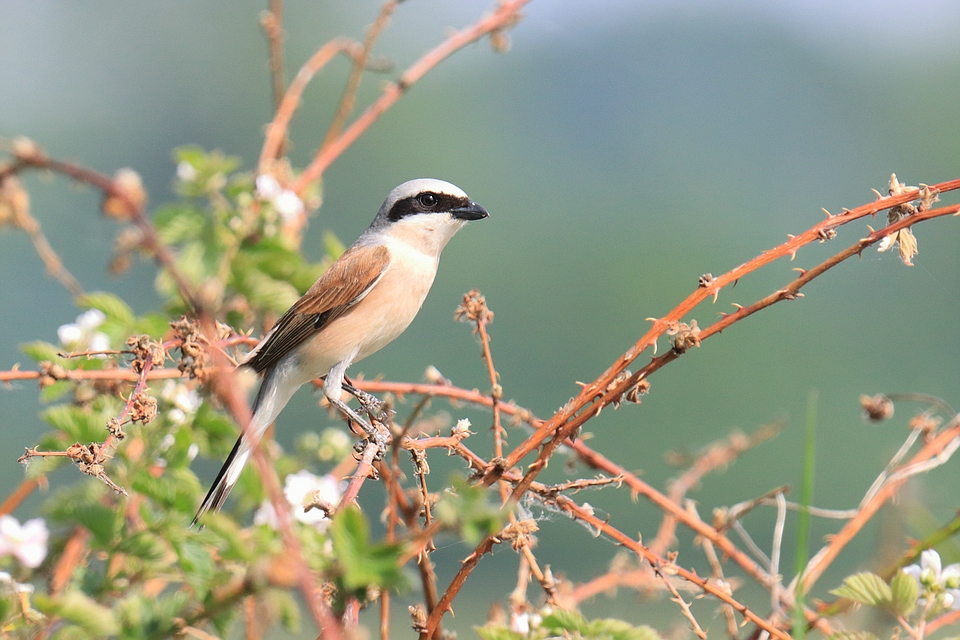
[614, 390]
[349, 97]
[364, 470]
[819, 563]
[466, 568]
[24, 489]
[579, 513]
[31, 156]
[47, 255]
[506, 14]
[719, 454]
[567, 419]
[277, 130]
[272, 23]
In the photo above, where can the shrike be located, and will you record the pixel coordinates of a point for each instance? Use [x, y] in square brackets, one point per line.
[360, 304]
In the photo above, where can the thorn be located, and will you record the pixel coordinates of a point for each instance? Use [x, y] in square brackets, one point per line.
[879, 195]
[829, 215]
[738, 306]
[791, 236]
[716, 294]
[793, 254]
[799, 270]
[845, 210]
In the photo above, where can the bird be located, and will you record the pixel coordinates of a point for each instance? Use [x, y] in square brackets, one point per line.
[361, 303]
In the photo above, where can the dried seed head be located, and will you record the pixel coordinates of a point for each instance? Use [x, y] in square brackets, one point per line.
[876, 408]
[687, 335]
[473, 309]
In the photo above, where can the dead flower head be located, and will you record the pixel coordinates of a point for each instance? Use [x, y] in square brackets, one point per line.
[876, 408]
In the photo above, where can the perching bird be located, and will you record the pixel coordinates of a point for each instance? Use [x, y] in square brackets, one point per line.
[368, 297]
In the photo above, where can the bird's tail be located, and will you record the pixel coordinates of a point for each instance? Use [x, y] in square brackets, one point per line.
[274, 393]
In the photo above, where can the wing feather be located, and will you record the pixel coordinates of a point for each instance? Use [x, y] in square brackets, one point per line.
[340, 287]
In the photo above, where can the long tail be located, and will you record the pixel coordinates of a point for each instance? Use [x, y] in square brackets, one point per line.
[275, 391]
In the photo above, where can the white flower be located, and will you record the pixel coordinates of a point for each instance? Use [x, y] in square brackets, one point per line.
[82, 335]
[268, 187]
[28, 543]
[288, 204]
[186, 172]
[522, 623]
[185, 401]
[936, 580]
[300, 489]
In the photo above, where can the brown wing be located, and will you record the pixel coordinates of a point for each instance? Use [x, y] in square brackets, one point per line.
[340, 287]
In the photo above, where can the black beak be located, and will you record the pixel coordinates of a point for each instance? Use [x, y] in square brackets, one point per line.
[472, 211]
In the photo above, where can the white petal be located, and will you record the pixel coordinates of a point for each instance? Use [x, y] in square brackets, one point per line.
[98, 342]
[930, 559]
[186, 172]
[288, 204]
[69, 334]
[91, 319]
[267, 187]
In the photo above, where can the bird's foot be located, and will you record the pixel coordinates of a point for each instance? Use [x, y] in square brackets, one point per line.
[371, 404]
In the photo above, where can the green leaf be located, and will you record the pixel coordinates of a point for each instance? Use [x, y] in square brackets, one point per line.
[101, 520]
[77, 423]
[561, 620]
[112, 306]
[498, 632]
[865, 588]
[361, 563]
[76, 607]
[145, 545]
[465, 507]
[198, 566]
[619, 630]
[41, 351]
[905, 592]
[178, 223]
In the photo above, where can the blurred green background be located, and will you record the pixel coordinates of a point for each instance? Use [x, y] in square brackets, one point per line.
[623, 149]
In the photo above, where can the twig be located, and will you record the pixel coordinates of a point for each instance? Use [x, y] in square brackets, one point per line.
[272, 23]
[34, 158]
[466, 568]
[818, 564]
[684, 607]
[506, 14]
[47, 255]
[277, 130]
[349, 97]
[362, 473]
[567, 420]
[576, 511]
[719, 454]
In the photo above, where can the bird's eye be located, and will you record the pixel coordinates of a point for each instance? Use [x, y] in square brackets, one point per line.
[427, 200]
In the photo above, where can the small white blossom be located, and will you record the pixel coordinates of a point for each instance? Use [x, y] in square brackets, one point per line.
[268, 187]
[300, 489]
[186, 172]
[935, 580]
[186, 401]
[524, 622]
[82, 335]
[192, 451]
[288, 205]
[27, 542]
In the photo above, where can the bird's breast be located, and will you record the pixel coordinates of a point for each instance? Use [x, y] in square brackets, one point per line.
[381, 316]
